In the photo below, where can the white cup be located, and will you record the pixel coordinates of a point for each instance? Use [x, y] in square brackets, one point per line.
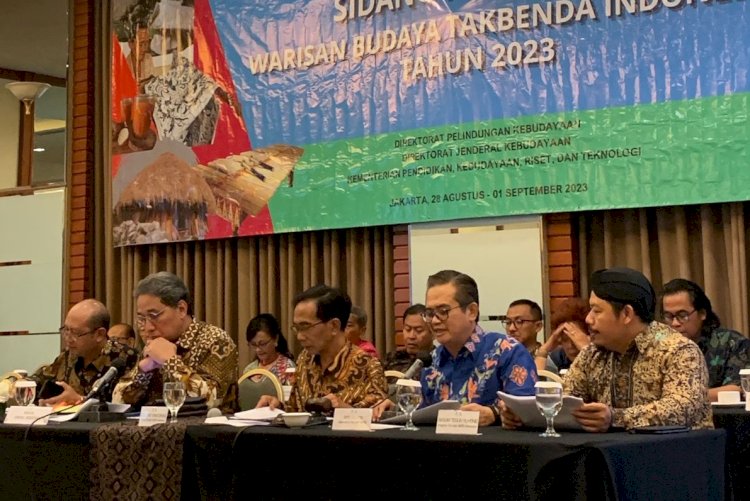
[729, 397]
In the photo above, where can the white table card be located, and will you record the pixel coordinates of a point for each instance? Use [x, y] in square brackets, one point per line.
[457, 423]
[151, 415]
[18, 414]
[352, 419]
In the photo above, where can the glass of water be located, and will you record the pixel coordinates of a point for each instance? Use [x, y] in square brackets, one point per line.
[549, 402]
[24, 391]
[174, 397]
[745, 382]
[409, 396]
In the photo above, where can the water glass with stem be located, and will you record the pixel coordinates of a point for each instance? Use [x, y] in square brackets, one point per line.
[409, 396]
[174, 397]
[549, 400]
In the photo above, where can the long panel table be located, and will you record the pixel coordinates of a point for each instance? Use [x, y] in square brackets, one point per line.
[736, 421]
[221, 462]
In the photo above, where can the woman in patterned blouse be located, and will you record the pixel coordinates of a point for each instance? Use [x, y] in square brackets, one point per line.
[264, 336]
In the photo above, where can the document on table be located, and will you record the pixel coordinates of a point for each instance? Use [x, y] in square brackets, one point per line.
[260, 414]
[526, 409]
[427, 415]
[240, 423]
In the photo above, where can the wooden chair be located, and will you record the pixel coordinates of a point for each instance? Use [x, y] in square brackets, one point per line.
[251, 388]
[549, 375]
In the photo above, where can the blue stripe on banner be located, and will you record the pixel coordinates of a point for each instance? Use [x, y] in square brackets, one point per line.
[695, 50]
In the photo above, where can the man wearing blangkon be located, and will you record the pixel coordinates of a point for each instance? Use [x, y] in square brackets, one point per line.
[636, 372]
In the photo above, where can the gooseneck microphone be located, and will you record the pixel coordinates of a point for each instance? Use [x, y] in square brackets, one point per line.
[424, 359]
[108, 376]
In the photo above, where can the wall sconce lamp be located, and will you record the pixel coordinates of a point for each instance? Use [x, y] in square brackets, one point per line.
[27, 92]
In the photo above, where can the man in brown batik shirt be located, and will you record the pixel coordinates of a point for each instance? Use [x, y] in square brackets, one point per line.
[87, 356]
[178, 348]
[330, 366]
[636, 372]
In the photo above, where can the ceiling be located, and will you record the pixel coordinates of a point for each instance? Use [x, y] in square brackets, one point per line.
[34, 36]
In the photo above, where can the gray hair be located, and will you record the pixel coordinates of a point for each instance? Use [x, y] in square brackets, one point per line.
[168, 287]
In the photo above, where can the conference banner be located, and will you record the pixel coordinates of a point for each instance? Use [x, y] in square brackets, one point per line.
[248, 117]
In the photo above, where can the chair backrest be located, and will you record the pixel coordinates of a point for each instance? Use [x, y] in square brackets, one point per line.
[251, 388]
[395, 374]
[549, 375]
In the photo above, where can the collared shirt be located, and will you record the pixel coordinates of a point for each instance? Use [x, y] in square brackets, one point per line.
[489, 362]
[278, 368]
[206, 361]
[398, 360]
[660, 380]
[726, 352]
[69, 368]
[355, 377]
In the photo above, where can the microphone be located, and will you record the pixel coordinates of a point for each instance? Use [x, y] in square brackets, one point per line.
[319, 406]
[423, 359]
[108, 376]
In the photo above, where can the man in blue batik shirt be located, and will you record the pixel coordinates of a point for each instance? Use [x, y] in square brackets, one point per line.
[470, 365]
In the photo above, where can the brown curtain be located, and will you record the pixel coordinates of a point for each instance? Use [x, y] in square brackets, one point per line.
[235, 279]
[703, 243]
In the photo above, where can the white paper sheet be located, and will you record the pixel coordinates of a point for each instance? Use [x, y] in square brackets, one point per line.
[261, 414]
[427, 415]
[240, 423]
[526, 409]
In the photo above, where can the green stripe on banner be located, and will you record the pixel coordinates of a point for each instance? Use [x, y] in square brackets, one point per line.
[673, 153]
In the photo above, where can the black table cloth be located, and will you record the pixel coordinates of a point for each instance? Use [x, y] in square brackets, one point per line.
[221, 462]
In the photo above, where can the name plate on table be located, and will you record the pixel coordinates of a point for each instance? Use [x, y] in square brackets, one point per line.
[151, 415]
[352, 420]
[18, 414]
[457, 423]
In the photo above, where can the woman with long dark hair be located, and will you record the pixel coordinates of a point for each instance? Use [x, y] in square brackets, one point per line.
[264, 336]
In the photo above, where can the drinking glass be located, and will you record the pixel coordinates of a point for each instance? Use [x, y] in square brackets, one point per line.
[409, 396]
[549, 403]
[24, 392]
[174, 397]
[745, 381]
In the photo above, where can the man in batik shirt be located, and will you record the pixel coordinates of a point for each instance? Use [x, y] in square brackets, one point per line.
[178, 348]
[417, 339]
[687, 309]
[329, 367]
[469, 365]
[636, 372]
[88, 355]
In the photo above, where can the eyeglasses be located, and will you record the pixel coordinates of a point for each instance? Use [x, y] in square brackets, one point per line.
[140, 320]
[65, 331]
[518, 322]
[681, 316]
[441, 313]
[297, 328]
[260, 344]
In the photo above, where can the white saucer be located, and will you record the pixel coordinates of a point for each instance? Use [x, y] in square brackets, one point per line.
[728, 404]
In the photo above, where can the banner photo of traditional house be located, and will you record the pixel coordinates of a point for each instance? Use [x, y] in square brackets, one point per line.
[248, 117]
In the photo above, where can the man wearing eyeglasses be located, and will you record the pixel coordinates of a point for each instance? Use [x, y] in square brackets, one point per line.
[178, 348]
[469, 365]
[636, 372]
[523, 321]
[687, 309]
[330, 367]
[87, 356]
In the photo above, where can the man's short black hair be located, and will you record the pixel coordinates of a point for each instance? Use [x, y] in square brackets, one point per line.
[536, 310]
[331, 303]
[415, 309]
